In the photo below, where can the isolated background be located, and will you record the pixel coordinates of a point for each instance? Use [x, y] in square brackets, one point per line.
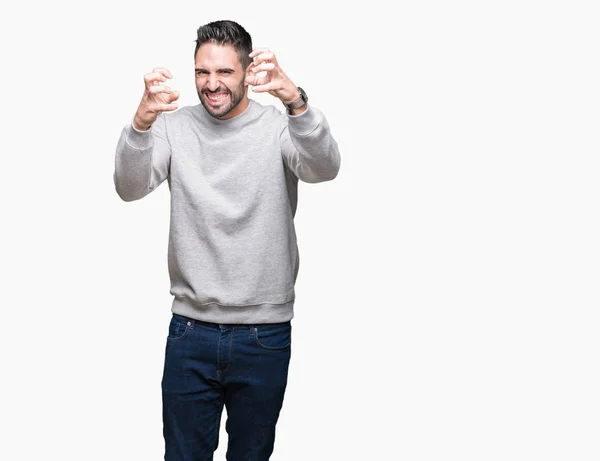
[447, 302]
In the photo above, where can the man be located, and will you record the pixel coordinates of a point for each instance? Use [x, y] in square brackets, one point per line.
[233, 167]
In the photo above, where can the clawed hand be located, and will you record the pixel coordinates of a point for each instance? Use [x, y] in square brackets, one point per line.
[157, 98]
[274, 81]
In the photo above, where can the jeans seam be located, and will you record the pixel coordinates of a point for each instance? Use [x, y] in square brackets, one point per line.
[187, 327]
[269, 348]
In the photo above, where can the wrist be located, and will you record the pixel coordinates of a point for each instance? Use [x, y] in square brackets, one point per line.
[298, 102]
[140, 125]
[291, 95]
[298, 110]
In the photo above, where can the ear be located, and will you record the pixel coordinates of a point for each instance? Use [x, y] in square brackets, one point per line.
[246, 75]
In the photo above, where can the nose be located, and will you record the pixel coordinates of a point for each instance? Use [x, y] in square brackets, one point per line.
[213, 82]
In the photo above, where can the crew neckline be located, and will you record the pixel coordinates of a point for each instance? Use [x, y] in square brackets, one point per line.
[230, 122]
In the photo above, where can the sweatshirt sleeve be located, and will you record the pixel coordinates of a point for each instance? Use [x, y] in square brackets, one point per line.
[142, 160]
[308, 148]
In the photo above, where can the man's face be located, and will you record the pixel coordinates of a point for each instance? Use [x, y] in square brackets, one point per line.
[220, 80]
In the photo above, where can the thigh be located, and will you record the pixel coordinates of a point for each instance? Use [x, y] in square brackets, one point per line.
[192, 396]
[255, 388]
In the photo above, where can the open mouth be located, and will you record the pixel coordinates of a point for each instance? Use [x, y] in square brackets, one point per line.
[216, 99]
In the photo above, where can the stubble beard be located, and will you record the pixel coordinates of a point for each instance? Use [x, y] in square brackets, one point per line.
[235, 97]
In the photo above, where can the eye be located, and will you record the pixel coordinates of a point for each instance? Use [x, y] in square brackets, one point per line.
[200, 73]
[226, 72]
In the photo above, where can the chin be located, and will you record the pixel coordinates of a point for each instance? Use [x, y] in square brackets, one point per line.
[219, 113]
[211, 111]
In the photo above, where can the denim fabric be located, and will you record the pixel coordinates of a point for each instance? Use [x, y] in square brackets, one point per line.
[243, 367]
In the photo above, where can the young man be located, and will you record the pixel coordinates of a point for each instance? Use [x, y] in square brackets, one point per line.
[233, 167]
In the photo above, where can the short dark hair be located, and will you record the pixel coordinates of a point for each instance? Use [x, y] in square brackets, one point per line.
[226, 33]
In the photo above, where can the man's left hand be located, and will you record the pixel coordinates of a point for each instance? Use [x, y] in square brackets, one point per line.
[274, 81]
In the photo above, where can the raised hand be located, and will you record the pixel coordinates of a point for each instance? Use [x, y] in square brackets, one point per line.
[157, 98]
[274, 81]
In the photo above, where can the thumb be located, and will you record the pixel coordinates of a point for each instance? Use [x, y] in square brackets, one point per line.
[251, 80]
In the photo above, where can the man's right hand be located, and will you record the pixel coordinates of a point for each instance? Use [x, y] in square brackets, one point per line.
[157, 98]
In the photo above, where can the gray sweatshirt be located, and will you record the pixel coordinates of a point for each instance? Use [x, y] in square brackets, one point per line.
[232, 254]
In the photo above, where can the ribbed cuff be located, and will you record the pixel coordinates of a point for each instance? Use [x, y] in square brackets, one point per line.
[138, 139]
[304, 123]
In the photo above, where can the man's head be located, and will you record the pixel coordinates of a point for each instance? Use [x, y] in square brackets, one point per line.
[221, 59]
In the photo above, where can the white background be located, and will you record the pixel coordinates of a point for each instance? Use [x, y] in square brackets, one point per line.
[447, 301]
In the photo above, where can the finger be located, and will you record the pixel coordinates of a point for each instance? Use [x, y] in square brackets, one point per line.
[156, 89]
[154, 78]
[270, 86]
[267, 56]
[172, 95]
[265, 66]
[255, 80]
[166, 107]
[162, 70]
[257, 51]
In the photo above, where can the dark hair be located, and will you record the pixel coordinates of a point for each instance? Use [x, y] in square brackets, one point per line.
[226, 33]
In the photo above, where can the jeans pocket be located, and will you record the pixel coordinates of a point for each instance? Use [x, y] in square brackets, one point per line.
[277, 336]
[178, 328]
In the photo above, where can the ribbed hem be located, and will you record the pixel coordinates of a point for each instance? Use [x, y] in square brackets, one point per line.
[216, 313]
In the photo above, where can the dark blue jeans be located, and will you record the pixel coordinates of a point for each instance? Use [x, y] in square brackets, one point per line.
[243, 367]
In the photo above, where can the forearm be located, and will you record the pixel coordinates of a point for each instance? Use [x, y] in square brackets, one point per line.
[317, 157]
[133, 161]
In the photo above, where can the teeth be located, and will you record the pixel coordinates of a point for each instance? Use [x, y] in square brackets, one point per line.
[216, 97]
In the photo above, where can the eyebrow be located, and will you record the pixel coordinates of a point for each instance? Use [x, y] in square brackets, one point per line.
[218, 70]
